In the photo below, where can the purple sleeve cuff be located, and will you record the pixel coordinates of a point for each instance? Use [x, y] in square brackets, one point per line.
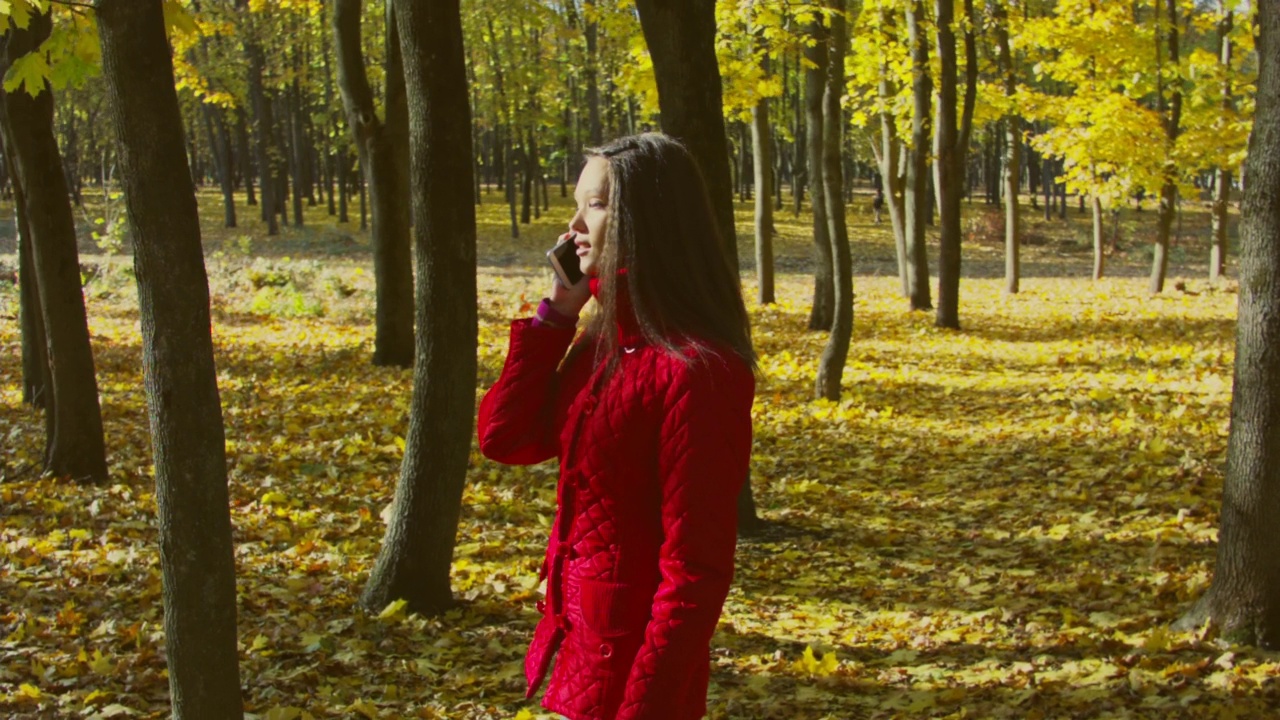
[550, 317]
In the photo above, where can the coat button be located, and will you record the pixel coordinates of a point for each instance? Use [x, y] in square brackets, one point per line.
[606, 650]
[542, 607]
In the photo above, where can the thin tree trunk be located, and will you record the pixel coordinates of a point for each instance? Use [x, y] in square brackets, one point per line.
[762, 141]
[1243, 600]
[1012, 156]
[821, 316]
[74, 444]
[196, 557]
[243, 157]
[1172, 120]
[915, 195]
[382, 157]
[1222, 176]
[1099, 252]
[948, 169]
[890, 148]
[417, 551]
[834, 355]
[263, 128]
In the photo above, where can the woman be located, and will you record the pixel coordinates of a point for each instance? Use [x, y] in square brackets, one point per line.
[649, 414]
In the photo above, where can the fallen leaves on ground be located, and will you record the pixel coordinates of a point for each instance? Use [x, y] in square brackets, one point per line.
[997, 522]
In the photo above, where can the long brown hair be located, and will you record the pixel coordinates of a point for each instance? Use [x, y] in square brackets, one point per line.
[662, 232]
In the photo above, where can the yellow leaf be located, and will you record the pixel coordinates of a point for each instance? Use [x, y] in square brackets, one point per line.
[101, 665]
[30, 691]
[274, 497]
[365, 708]
[393, 611]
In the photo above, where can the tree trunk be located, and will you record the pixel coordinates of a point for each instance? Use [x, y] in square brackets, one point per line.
[815, 87]
[242, 157]
[916, 193]
[35, 351]
[1168, 191]
[297, 144]
[1099, 252]
[595, 132]
[263, 127]
[220, 142]
[1012, 156]
[74, 443]
[890, 147]
[762, 141]
[681, 36]
[1243, 601]
[948, 170]
[417, 551]
[196, 558]
[382, 157]
[1222, 176]
[831, 364]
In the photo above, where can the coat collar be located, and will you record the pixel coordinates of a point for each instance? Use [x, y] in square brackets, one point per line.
[629, 333]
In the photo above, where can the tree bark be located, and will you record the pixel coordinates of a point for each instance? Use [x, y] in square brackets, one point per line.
[815, 87]
[417, 551]
[916, 194]
[762, 144]
[1243, 600]
[831, 364]
[382, 157]
[196, 555]
[948, 169]
[1099, 254]
[595, 132]
[1169, 190]
[74, 443]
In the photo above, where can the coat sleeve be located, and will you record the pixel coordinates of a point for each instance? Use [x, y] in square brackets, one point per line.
[517, 416]
[705, 448]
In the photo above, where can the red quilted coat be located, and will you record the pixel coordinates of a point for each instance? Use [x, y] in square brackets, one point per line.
[641, 551]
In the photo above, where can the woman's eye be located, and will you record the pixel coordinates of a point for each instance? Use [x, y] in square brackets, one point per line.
[597, 204]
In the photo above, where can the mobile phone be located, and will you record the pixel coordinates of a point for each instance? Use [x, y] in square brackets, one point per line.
[564, 260]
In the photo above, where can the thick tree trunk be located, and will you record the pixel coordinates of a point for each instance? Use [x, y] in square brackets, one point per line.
[762, 144]
[382, 156]
[681, 40]
[196, 556]
[948, 169]
[74, 443]
[417, 551]
[831, 364]
[681, 36]
[916, 192]
[815, 87]
[1243, 600]
[1169, 191]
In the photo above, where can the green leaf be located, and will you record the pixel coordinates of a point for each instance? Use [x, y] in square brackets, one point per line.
[30, 70]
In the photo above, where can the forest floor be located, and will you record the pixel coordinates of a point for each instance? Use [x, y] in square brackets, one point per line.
[997, 522]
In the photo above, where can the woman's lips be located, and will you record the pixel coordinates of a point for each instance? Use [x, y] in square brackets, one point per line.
[583, 247]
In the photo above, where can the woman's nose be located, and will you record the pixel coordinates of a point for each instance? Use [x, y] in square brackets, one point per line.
[577, 224]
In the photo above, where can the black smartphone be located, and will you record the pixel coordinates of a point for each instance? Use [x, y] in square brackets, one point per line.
[564, 260]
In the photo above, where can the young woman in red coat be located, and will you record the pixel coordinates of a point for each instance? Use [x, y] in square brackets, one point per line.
[649, 413]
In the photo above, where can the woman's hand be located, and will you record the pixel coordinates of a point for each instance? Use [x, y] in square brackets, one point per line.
[568, 301]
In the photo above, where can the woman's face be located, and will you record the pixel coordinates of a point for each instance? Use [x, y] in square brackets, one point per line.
[591, 221]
